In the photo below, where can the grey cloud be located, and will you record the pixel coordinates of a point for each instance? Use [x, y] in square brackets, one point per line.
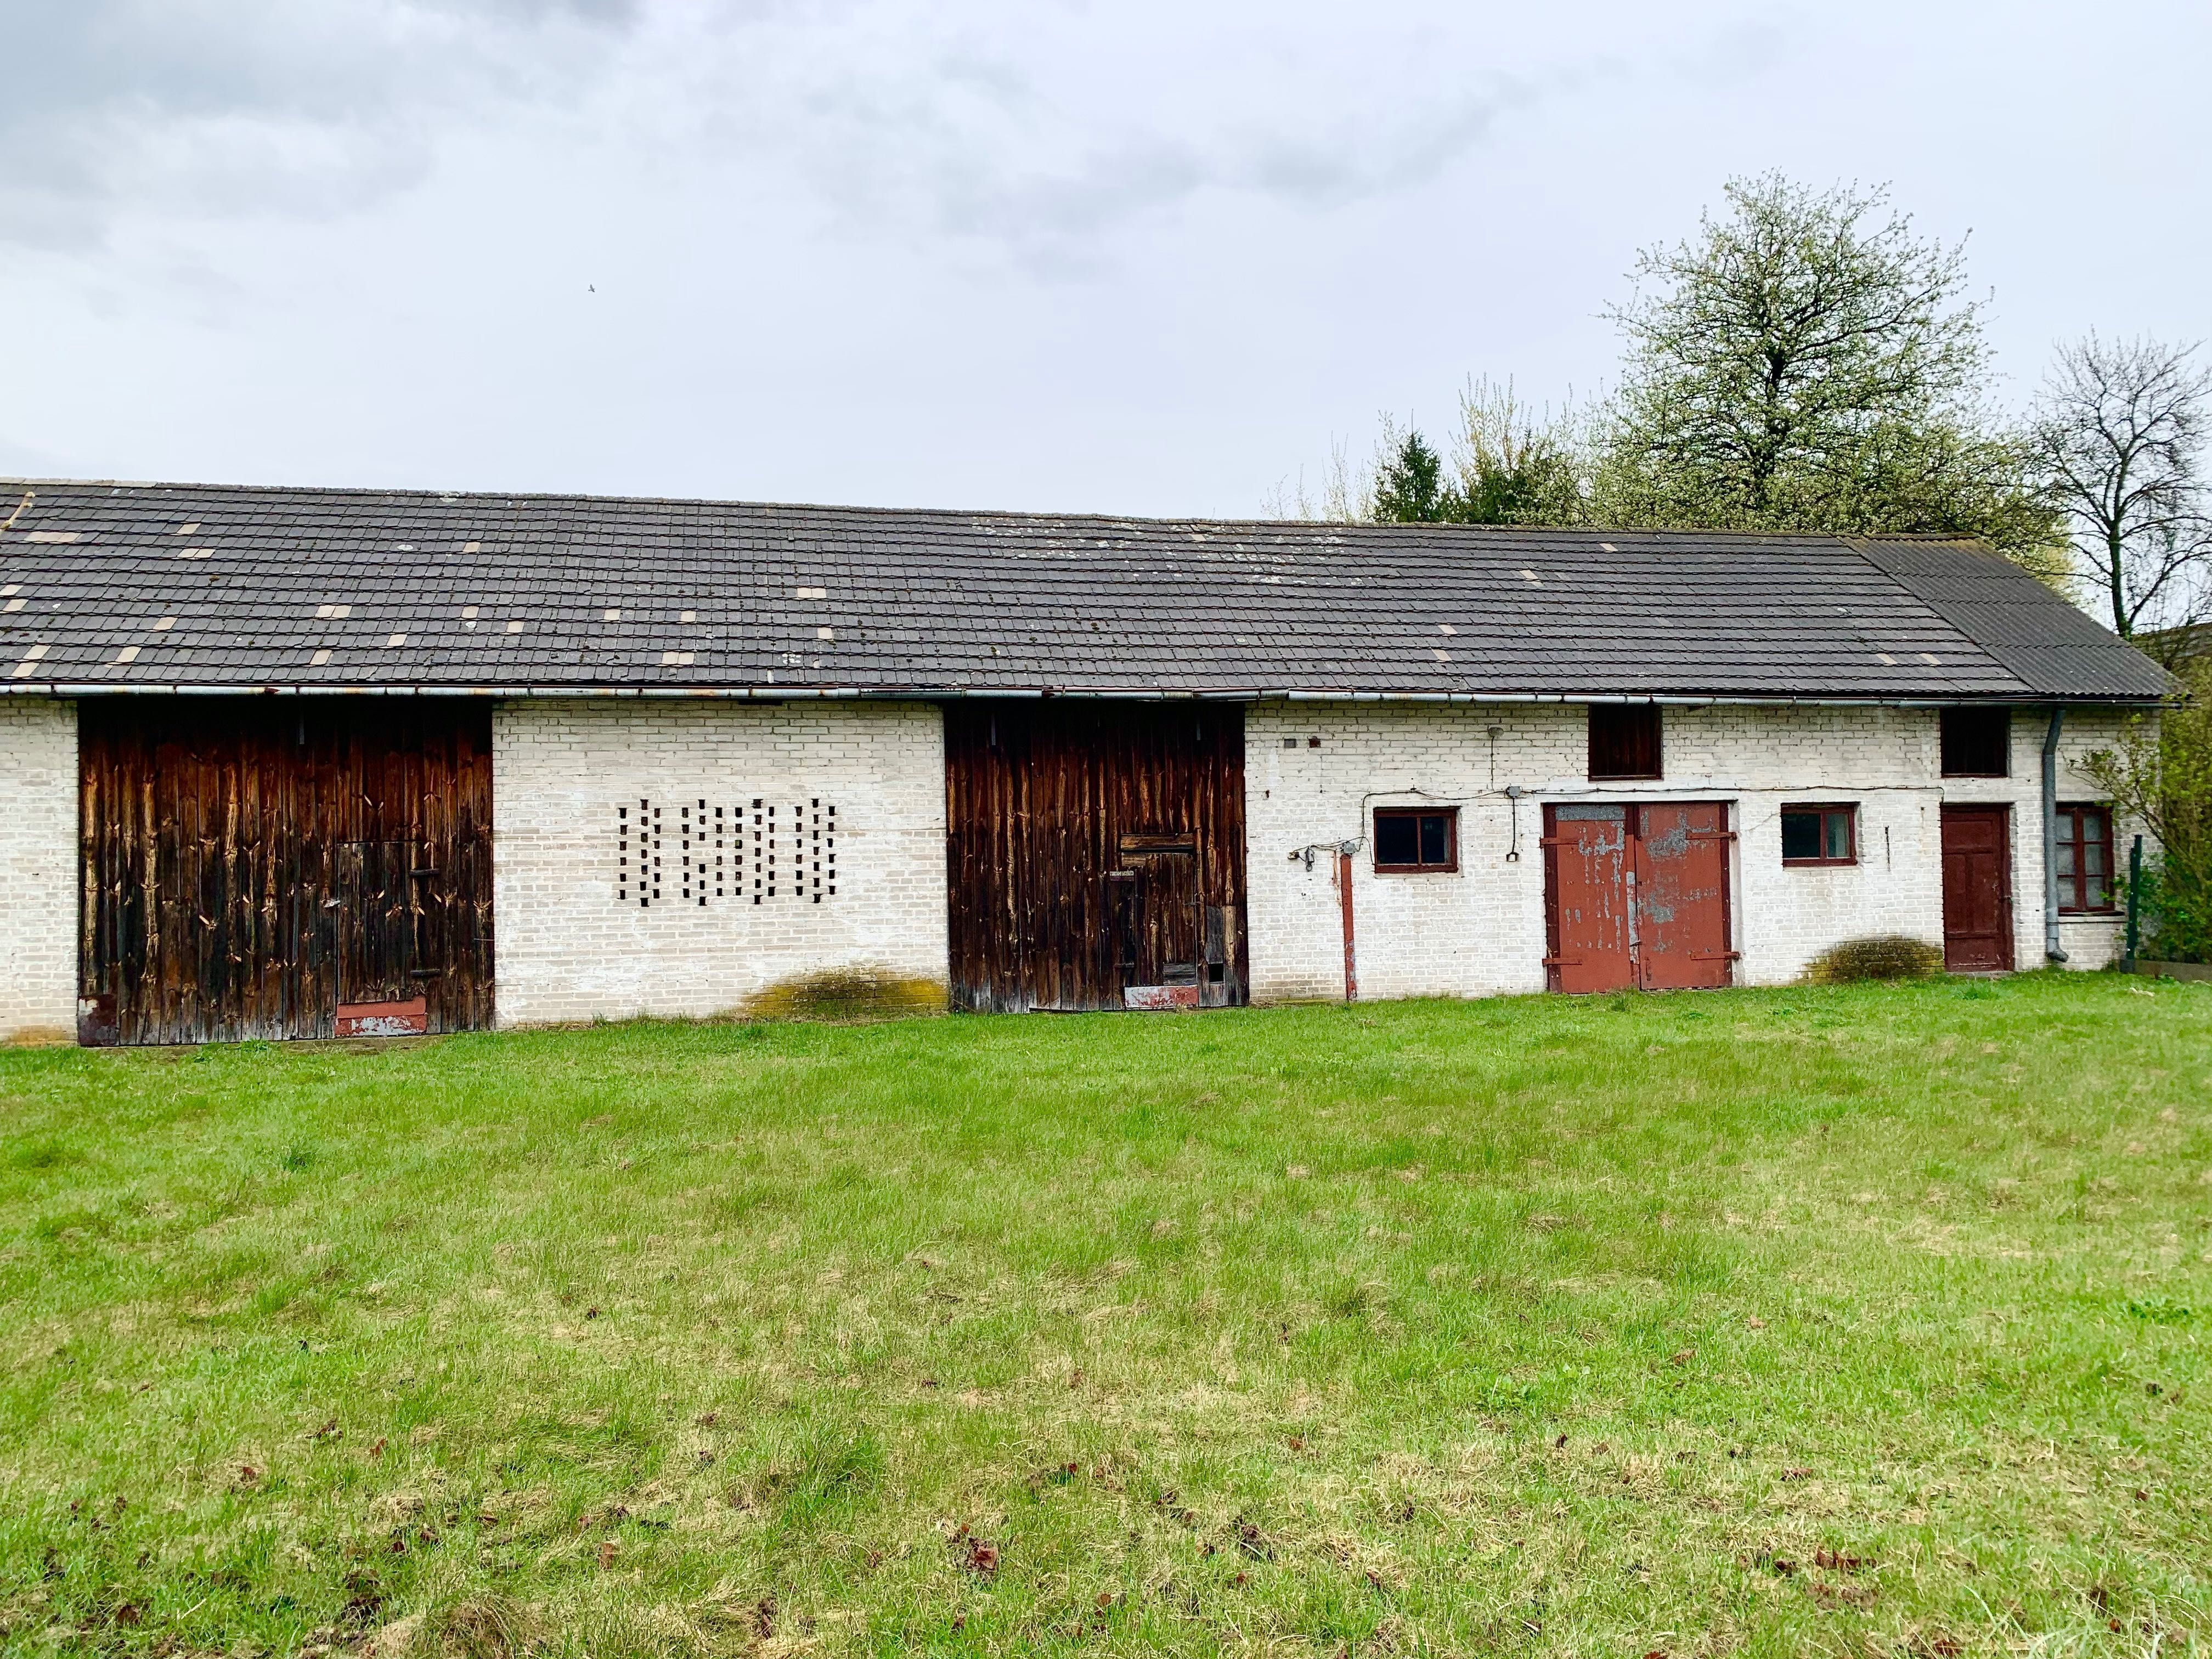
[231, 105]
[1052, 217]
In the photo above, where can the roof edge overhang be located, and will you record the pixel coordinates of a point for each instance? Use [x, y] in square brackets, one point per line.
[1162, 693]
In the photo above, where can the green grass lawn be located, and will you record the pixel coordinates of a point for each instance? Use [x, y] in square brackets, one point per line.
[1861, 1321]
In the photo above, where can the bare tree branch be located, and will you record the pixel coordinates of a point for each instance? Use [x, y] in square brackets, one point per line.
[2118, 434]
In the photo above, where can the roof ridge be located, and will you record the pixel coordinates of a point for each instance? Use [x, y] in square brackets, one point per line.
[1395, 529]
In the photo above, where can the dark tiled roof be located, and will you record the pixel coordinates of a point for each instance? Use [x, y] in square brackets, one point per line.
[154, 585]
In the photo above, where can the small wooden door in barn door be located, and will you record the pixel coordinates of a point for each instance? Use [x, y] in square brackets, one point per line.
[1637, 896]
[1159, 927]
[382, 959]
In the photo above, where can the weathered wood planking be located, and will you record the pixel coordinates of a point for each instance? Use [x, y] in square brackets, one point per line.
[250, 863]
[1080, 834]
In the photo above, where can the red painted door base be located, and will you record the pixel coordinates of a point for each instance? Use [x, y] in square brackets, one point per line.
[1159, 996]
[367, 1019]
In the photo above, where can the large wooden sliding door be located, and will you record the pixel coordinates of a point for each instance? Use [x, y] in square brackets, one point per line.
[267, 867]
[1096, 853]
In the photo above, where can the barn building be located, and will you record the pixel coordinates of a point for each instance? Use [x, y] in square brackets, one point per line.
[283, 763]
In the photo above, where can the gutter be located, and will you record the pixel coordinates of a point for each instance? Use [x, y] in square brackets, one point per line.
[2051, 950]
[940, 693]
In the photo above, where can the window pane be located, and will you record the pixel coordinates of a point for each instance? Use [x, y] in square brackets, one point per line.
[1801, 835]
[1976, 742]
[1433, 839]
[2093, 826]
[1623, 740]
[1839, 834]
[2097, 895]
[1395, 839]
[2065, 860]
[2092, 856]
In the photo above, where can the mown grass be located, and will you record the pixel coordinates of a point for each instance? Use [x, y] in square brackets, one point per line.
[1868, 1320]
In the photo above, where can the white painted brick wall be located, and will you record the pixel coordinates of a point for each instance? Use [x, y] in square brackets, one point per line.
[37, 869]
[1482, 929]
[567, 948]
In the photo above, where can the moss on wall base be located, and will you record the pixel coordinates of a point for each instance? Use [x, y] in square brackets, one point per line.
[847, 994]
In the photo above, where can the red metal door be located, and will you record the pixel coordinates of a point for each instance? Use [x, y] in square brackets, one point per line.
[1681, 920]
[1977, 890]
[1587, 868]
[1637, 897]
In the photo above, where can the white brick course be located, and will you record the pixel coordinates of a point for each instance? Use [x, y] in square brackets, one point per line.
[37, 869]
[567, 948]
[1481, 930]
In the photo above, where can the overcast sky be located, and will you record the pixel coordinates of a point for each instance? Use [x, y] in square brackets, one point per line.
[1148, 257]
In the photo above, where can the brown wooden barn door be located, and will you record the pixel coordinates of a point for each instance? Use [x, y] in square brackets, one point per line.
[1586, 875]
[1977, 890]
[250, 864]
[1681, 920]
[1092, 847]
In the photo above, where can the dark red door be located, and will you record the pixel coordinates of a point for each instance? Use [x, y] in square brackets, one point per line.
[1681, 914]
[1638, 895]
[1586, 859]
[1977, 888]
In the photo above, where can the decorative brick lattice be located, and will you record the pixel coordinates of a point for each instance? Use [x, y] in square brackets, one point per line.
[699, 848]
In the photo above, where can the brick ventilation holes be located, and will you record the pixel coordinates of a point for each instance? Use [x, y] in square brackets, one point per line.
[695, 852]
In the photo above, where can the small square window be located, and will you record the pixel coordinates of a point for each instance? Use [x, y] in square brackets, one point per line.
[1819, 834]
[1623, 740]
[1409, 841]
[1976, 742]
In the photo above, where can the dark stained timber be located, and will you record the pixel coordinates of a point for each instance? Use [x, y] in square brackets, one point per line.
[1095, 848]
[250, 864]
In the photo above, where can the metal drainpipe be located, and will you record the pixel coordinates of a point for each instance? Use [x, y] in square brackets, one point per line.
[2051, 950]
[1344, 888]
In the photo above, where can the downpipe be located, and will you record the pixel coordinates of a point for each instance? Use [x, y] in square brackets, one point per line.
[1344, 852]
[2051, 951]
